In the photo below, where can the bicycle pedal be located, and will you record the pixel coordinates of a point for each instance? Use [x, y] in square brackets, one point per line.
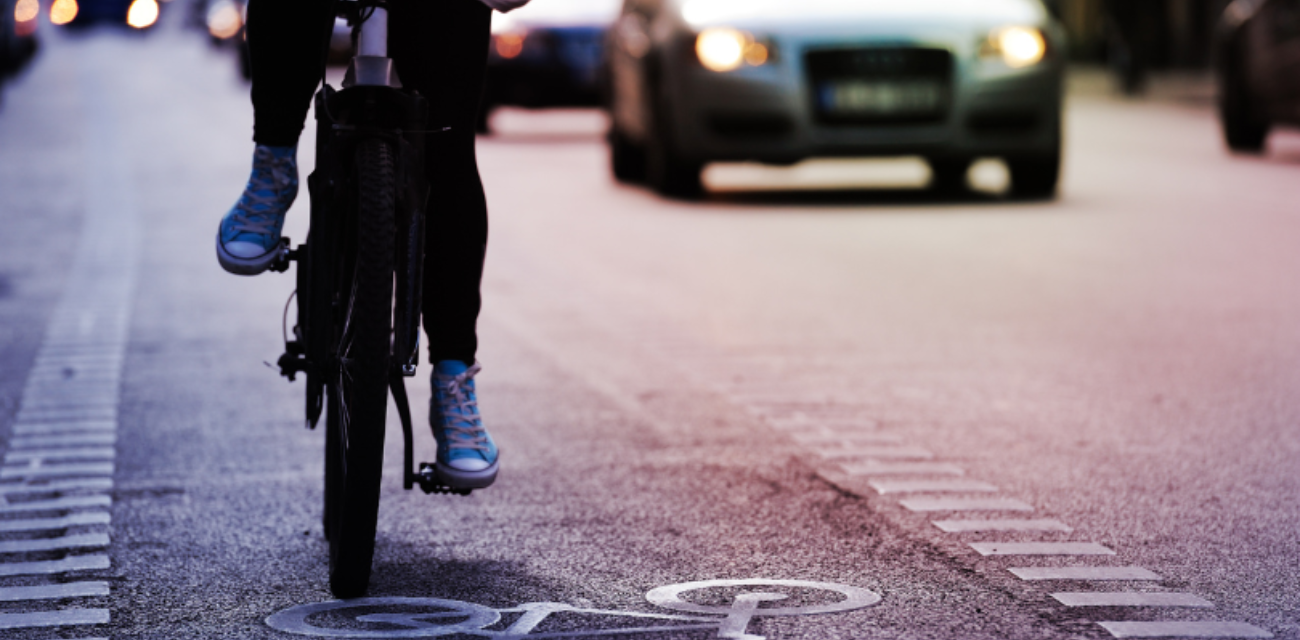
[427, 478]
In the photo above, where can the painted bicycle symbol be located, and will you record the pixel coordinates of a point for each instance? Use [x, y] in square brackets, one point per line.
[434, 617]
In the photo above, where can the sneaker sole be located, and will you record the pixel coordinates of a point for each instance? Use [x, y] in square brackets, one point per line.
[457, 479]
[248, 266]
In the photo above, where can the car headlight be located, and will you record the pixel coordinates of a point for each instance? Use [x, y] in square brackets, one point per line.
[225, 19]
[723, 49]
[25, 14]
[1017, 46]
[142, 13]
[63, 11]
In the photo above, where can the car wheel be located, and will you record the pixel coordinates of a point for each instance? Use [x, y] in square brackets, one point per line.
[1035, 176]
[666, 171]
[948, 175]
[626, 158]
[1242, 131]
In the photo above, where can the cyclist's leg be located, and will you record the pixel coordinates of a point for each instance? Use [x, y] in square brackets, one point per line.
[286, 40]
[440, 49]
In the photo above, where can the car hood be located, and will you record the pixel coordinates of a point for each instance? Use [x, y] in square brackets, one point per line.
[776, 13]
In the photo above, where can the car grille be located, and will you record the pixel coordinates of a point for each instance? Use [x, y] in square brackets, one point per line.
[880, 85]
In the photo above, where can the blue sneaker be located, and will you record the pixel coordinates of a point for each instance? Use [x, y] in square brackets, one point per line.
[248, 241]
[467, 457]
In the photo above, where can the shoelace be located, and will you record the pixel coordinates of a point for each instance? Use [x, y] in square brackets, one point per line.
[269, 176]
[460, 411]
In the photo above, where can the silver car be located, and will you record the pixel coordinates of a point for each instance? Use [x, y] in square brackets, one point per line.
[779, 81]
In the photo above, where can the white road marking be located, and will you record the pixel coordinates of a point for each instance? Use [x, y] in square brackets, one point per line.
[878, 468]
[84, 518]
[828, 438]
[57, 486]
[878, 453]
[62, 618]
[80, 541]
[78, 440]
[66, 565]
[58, 470]
[1184, 629]
[57, 504]
[1083, 573]
[1129, 599]
[63, 453]
[959, 526]
[70, 414]
[956, 503]
[1040, 549]
[931, 486]
[54, 591]
[50, 428]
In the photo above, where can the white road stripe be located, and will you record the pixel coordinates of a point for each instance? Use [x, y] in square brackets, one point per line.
[69, 564]
[1083, 573]
[57, 504]
[62, 453]
[878, 453]
[70, 415]
[62, 618]
[1040, 549]
[81, 541]
[84, 518]
[1184, 629]
[930, 486]
[946, 503]
[56, 486]
[58, 470]
[830, 438]
[1130, 599]
[76, 440]
[959, 526]
[54, 591]
[878, 468]
[69, 426]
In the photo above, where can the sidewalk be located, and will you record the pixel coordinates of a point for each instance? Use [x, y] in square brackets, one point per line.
[1186, 87]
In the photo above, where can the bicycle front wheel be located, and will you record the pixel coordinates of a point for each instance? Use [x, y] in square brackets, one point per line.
[358, 390]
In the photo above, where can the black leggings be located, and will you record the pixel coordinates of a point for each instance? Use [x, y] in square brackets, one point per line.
[439, 48]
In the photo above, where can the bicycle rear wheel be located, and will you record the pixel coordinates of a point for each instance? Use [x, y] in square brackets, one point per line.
[358, 389]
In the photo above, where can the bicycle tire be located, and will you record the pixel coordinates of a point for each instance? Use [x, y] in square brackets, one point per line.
[358, 391]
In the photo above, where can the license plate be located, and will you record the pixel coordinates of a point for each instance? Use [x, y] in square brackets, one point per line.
[865, 98]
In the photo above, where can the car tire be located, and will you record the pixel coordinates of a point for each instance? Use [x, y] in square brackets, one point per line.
[1242, 130]
[665, 170]
[626, 159]
[1035, 176]
[948, 175]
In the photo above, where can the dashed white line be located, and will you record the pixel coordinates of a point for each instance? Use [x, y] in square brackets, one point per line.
[57, 504]
[46, 567]
[54, 591]
[80, 541]
[946, 503]
[85, 518]
[1130, 599]
[960, 526]
[1040, 549]
[1083, 573]
[61, 618]
[1184, 629]
[931, 486]
[879, 468]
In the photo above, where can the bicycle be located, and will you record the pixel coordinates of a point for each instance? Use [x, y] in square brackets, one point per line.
[359, 285]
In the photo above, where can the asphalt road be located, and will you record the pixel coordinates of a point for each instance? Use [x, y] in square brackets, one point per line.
[776, 384]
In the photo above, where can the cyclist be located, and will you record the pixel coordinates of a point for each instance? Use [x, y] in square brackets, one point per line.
[439, 48]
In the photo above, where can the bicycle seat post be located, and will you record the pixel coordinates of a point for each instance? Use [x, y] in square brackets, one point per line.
[372, 66]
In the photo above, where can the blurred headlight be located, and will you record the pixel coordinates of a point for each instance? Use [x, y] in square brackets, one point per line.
[1017, 46]
[63, 11]
[224, 19]
[25, 13]
[509, 45]
[142, 13]
[722, 49]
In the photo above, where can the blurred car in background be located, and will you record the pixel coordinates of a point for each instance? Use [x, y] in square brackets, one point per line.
[547, 54]
[779, 81]
[18, 19]
[137, 14]
[224, 22]
[1257, 56]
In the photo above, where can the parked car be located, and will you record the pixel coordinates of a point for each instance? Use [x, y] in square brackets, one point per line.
[1257, 55]
[779, 81]
[224, 22]
[547, 54]
[137, 14]
[18, 19]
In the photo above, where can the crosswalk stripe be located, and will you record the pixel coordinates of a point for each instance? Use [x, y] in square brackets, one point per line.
[56, 486]
[1129, 599]
[77, 440]
[879, 468]
[47, 567]
[61, 618]
[930, 486]
[80, 541]
[69, 426]
[878, 453]
[1083, 573]
[65, 453]
[959, 526]
[54, 591]
[57, 504]
[945, 503]
[84, 518]
[1184, 629]
[1040, 549]
[58, 470]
